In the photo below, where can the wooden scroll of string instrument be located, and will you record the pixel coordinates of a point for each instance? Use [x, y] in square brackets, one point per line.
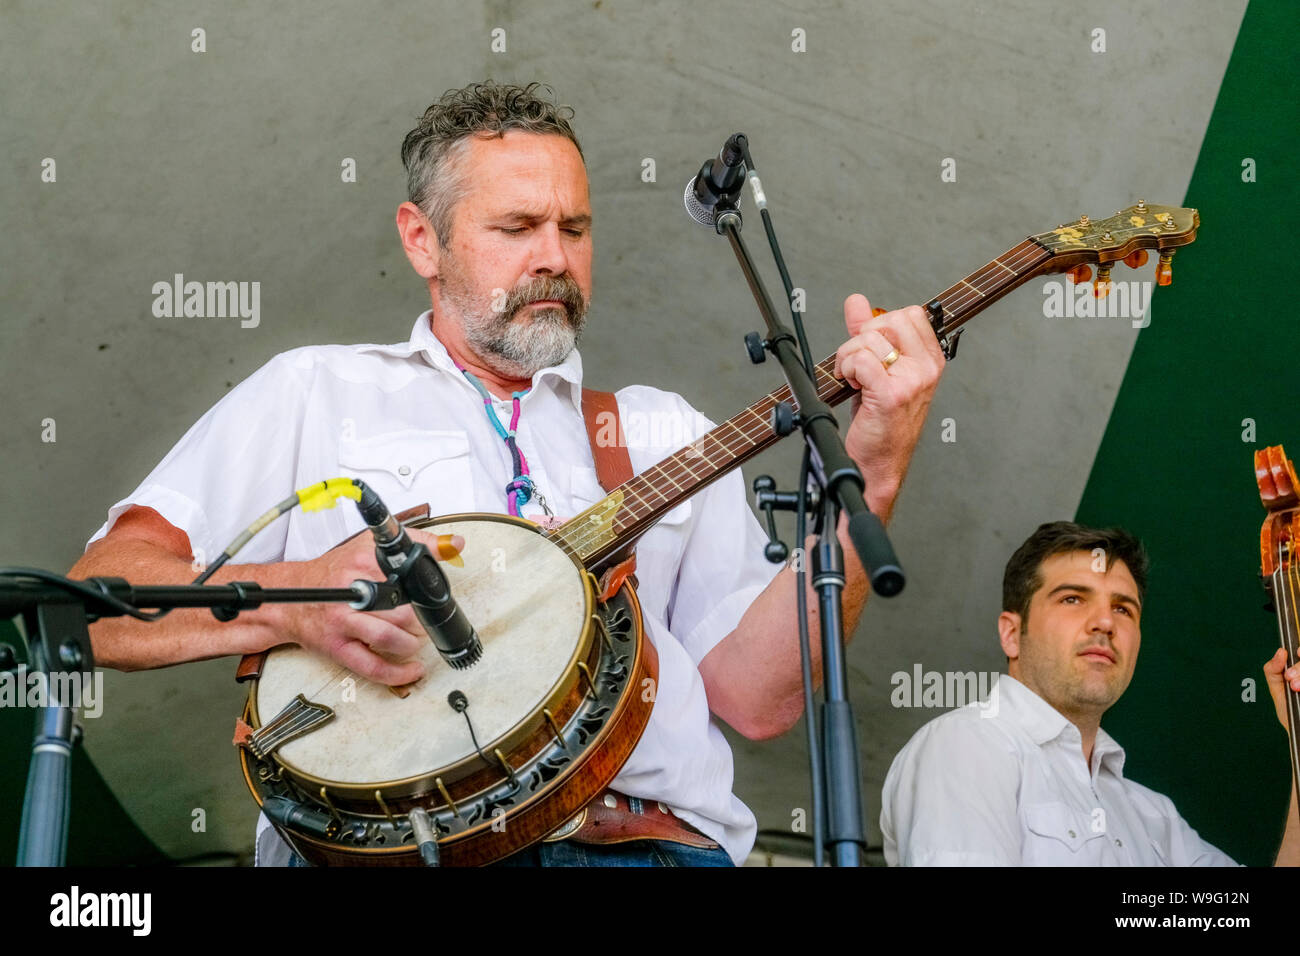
[1279, 542]
[503, 753]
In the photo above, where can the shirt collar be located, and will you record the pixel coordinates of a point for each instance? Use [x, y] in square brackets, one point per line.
[1106, 752]
[1041, 720]
[1044, 723]
[568, 372]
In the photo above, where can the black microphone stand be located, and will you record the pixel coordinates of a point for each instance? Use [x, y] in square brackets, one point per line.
[840, 488]
[56, 613]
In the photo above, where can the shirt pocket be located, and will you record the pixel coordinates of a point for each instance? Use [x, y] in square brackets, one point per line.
[1159, 833]
[412, 467]
[1056, 835]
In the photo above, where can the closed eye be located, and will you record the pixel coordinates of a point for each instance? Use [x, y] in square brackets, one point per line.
[519, 230]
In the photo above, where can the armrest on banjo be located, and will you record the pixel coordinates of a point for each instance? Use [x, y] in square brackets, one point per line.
[250, 665]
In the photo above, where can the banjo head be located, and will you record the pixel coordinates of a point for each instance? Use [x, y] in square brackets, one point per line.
[532, 604]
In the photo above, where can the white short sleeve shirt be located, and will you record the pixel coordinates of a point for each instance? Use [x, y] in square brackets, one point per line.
[1004, 783]
[405, 420]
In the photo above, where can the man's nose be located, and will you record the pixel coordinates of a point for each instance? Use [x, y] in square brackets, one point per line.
[547, 255]
[1102, 619]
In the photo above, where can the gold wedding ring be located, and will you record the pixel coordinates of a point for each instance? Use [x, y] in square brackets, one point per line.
[890, 359]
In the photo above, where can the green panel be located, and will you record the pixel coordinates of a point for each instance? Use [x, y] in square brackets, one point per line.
[100, 833]
[1174, 469]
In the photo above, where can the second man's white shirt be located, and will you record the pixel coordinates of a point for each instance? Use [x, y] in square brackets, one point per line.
[1004, 783]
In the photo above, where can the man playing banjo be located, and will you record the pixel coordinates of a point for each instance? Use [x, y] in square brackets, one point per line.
[480, 411]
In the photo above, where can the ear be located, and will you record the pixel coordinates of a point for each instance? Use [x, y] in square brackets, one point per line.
[419, 241]
[1009, 633]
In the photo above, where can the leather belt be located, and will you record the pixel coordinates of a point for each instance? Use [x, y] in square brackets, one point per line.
[615, 818]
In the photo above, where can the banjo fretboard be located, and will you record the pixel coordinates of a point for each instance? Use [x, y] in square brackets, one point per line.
[611, 524]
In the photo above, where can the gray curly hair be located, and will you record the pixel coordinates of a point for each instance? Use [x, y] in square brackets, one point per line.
[436, 178]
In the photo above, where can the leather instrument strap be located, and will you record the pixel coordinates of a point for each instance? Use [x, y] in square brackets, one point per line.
[613, 468]
[613, 463]
[613, 817]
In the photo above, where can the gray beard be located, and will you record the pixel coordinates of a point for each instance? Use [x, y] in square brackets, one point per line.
[522, 347]
[518, 341]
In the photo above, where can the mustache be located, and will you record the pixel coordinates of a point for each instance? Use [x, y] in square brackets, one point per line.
[560, 288]
[1104, 646]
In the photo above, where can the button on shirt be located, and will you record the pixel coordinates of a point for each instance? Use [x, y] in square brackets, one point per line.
[406, 421]
[1004, 782]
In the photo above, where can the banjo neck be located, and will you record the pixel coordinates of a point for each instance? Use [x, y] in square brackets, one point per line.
[615, 522]
[611, 525]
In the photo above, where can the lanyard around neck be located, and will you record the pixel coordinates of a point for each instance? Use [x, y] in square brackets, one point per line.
[520, 489]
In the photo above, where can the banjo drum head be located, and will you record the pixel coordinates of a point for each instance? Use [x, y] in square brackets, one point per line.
[531, 604]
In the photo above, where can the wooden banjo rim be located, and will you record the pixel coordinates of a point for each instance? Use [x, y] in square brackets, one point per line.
[571, 790]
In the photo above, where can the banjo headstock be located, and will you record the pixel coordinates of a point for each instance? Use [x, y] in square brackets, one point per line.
[1126, 236]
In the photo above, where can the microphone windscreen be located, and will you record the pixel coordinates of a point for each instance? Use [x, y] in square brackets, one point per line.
[696, 209]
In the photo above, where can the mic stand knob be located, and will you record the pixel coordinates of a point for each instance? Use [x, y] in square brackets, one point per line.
[377, 595]
[765, 497]
[784, 419]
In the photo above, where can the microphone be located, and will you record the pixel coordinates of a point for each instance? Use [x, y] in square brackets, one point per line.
[425, 838]
[719, 180]
[294, 815]
[422, 583]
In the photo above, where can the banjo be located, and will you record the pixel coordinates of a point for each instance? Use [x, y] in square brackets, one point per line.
[483, 761]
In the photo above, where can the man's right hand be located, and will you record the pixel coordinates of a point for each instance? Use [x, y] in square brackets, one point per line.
[146, 549]
[377, 645]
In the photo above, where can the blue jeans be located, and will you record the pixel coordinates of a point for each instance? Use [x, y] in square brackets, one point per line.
[635, 853]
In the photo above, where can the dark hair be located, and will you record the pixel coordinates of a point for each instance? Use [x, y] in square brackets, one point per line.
[1023, 576]
[435, 178]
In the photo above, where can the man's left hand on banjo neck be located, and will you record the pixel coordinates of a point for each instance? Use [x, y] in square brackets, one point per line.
[753, 676]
